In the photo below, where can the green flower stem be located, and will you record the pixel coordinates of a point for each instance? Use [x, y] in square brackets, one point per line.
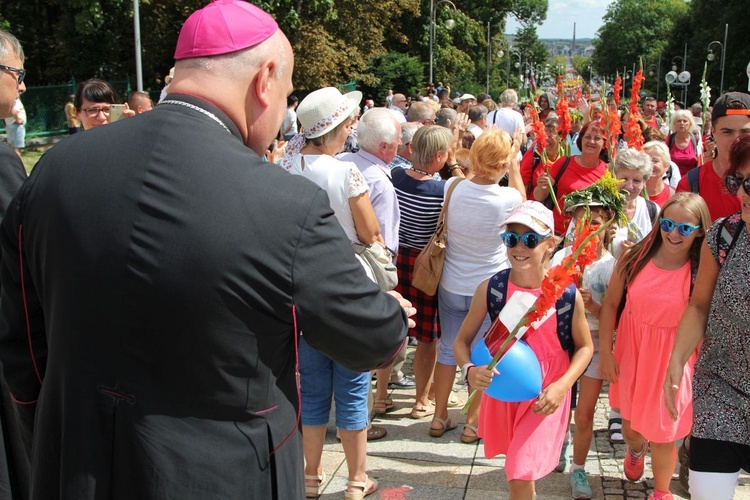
[525, 320]
[552, 193]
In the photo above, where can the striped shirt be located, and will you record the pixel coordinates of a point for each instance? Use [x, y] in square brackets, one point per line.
[420, 203]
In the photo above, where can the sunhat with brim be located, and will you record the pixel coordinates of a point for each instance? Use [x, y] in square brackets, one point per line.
[223, 26]
[324, 109]
[533, 215]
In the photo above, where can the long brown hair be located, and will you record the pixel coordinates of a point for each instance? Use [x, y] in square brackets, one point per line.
[635, 258]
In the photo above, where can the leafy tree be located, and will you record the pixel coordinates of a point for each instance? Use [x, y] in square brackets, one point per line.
[703, 24]
[532, 50]
[581, 64]
[634, 30]
[393, 71]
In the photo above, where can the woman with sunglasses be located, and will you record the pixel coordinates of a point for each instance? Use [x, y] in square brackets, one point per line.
[93, 102]
[661, 265]
[718, 317]
[530, 434]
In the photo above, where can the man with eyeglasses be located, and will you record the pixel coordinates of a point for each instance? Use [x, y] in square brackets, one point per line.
[399, 104]
[730, 118]
[16, 448]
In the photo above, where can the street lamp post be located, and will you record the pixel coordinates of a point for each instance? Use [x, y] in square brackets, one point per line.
[712, 55]
[626, 74]
[512, 52]
[448, 24]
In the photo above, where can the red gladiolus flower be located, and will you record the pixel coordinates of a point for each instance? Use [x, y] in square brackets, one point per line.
[537, 129]
[635, 92]
[617, 90]
[633, 132]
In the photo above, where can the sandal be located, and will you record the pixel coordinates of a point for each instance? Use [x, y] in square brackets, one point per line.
[314, 491]
[359, 495]
[376, 432]
[382, 406]
[470, 439]
[419, 411]
[454, 401]
[447, 425]
[615, 430]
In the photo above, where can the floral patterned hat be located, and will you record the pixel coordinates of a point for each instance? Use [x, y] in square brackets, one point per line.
[322, 110]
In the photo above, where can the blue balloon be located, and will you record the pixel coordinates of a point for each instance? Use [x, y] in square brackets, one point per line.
[520, 376]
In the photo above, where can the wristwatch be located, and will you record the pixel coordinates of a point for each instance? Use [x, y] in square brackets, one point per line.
[465, 371]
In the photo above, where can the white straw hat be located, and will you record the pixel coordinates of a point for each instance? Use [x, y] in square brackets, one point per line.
[322, 110]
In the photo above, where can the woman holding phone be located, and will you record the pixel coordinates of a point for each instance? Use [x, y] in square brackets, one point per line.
[94, 101]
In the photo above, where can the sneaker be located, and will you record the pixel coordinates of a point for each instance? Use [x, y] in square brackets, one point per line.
[563, 463]
[633, 465]
[660, 495]
[579, 482]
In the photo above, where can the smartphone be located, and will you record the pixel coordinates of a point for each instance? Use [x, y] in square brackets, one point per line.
[116, 112]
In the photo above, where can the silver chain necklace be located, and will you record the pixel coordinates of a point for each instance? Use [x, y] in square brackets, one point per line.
[198, 109]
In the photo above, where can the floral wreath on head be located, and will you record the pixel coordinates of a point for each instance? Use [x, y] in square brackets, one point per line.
[604, 192]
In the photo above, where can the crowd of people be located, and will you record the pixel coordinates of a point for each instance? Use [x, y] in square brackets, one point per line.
[184, 306]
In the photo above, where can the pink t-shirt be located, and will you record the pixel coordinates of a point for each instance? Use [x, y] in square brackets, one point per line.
[685, 159]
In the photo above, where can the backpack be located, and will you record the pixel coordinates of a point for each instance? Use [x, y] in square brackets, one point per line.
[565, 306]
[653, 209]
[693, 178]
[730, 229]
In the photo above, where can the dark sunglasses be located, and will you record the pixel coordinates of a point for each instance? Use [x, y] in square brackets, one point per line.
[531, 240]
[668, 225]
[733, 184]
[20, 73]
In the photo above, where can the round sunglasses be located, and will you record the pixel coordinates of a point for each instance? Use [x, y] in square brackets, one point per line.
[733, 184]
[531, 240]
[668, 225]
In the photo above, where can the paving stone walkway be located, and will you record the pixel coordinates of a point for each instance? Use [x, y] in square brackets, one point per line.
[409, 464]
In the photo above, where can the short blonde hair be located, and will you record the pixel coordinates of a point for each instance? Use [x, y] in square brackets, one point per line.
[428, 141]
[682, 113]
[492, 152]
[662, 149]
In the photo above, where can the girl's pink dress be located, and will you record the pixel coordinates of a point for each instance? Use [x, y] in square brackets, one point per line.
[530, 442]
[645, 336]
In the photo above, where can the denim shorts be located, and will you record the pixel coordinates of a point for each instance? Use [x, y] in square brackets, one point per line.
[321, 379]
[453, 309]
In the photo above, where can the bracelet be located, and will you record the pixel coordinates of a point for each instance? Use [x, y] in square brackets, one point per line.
[465, 370]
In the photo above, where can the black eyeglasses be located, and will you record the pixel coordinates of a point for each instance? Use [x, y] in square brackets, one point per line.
[668, 225]
[531, 240]
[733, 184]
[21, 73]
[93, 112]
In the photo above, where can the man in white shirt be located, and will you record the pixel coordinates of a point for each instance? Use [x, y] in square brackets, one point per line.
[505, 117]
[289, 125]
[478, 119]
[398, 104]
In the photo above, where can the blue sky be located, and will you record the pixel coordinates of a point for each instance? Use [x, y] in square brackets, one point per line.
[561, 14]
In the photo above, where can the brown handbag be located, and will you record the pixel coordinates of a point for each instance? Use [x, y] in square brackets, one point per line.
[429, 263]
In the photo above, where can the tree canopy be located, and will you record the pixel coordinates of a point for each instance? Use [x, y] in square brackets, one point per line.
[335, 41]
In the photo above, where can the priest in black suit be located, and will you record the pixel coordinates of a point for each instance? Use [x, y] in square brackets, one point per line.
[156, 273]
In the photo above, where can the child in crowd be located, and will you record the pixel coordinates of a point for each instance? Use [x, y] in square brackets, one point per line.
[599, 203]
[529, 433]
[660, 267]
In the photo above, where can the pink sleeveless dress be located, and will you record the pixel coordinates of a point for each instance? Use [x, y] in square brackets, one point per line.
[645, 336]
[530, 442]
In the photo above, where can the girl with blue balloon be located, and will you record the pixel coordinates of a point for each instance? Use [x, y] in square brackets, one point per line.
[529, 431]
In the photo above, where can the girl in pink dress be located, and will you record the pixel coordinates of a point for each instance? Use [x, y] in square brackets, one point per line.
[530, 433]
[654, 278]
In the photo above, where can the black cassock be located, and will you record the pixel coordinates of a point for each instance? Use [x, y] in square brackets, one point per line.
[150, 273]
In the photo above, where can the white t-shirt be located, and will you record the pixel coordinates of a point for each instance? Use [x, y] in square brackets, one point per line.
[475, 251]
[340, 179]
[636, 230]
[475, 130]
[506, 119]
[289, 125]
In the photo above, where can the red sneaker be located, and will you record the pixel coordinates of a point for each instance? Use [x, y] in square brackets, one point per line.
[634, 464]
[660, 495]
